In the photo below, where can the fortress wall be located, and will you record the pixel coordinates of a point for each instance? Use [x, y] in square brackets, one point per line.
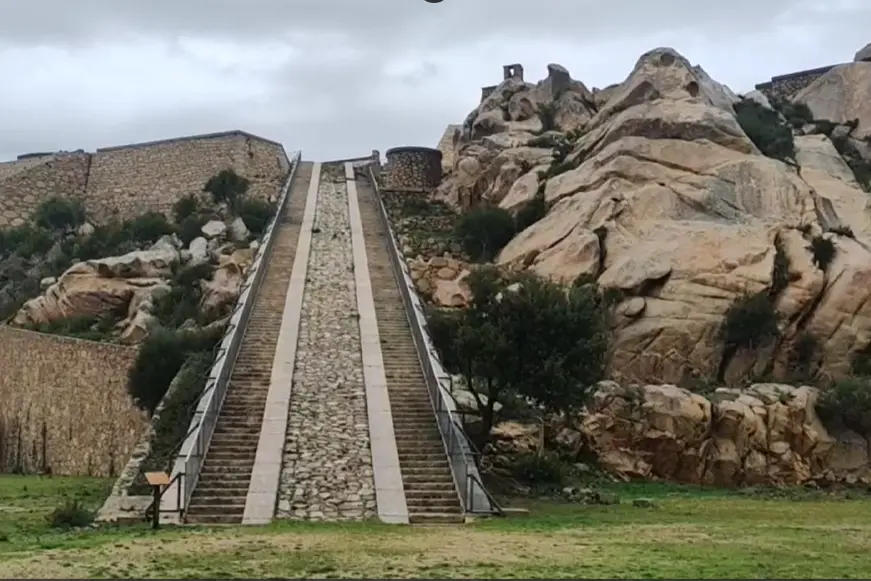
[25, 184]
[64, 405]
[130, 180]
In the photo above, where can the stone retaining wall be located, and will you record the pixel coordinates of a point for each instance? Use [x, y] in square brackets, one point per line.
[26, 183]
[130, 180]
[65, 405]
[413, 168]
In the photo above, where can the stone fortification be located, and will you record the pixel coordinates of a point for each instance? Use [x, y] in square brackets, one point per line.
[130, 180]
[413, 168]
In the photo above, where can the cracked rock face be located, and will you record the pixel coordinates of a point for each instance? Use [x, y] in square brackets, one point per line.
[665, 197]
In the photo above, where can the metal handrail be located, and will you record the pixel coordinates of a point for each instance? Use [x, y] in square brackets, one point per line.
[196, 442]
[458, 447]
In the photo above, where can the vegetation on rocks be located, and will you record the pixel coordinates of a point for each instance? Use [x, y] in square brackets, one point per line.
[766, 129]
[524, 337]
[171, 426]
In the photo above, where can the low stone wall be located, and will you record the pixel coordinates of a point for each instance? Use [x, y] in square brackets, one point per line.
[26, 183]
[130, 180]
[413, 168]
[785, 86]
[64, 405]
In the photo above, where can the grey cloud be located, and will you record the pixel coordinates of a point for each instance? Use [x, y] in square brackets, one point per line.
[340, 77]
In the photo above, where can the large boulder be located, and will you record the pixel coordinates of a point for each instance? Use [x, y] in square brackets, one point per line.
[102, 286]
[765, 434]
[842, 95]
[221, 291]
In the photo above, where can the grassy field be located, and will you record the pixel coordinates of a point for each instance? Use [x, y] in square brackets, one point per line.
[689, 533]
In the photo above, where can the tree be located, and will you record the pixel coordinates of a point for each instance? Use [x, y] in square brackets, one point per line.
[524, 336]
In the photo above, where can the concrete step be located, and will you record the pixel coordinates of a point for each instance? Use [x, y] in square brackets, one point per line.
[430, 490]
[432, 518]
[219, 497]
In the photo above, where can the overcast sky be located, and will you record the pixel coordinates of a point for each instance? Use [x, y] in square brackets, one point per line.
[338, 78]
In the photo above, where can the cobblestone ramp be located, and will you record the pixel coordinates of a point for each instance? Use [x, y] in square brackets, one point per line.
[327, 465]
[430, 492]
[220, 494]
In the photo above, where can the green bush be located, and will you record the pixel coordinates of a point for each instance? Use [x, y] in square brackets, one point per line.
[801, 359]
[108, 239]
[26, 241]
[185, 207]
[796, 114]
[159, 359]
[227, 187]
[256, 214]
[847, 402]
[148, 227]
[766, 129]
[530, 213]
[181, 303]
[92, 328]
[175, 418]
[71, 514]
[539, 469]
[484, 231]
[824, 251]
[59, 214]
[191, 228]
[750, 322]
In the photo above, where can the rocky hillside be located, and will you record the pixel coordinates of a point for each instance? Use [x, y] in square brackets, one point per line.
[691, 205]
[121, 281]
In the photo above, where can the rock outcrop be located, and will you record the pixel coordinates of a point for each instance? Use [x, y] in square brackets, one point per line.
[654, 189]
[765, 434]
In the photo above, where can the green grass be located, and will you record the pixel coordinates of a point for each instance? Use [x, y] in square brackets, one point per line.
[690, 533]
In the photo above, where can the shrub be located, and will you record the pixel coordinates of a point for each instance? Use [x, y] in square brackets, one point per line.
[159, 359]
[92, 328]
[801, 359]
[71, 514]
[106, 240]
[780, 269]
[175, 418]
[181, 303]
[484, 231]
[797, 114]
[766, 129]
[149, 227]
[256, 214]
[530, 213]
[824, 251]
[190, 228]
[847, 402]
[539, 469]
[751, 322]
[26, 241]
[185, 207]
[227, 187]
[59, 214]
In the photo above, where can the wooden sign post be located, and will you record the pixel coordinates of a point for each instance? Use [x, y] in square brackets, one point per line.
[156, 480]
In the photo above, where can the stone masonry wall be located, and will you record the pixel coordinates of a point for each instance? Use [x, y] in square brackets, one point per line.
[64, 405]
[25, 184]
[130, 180]
[327, 465]
[413, 168]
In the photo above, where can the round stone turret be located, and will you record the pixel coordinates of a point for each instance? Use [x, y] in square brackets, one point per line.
[413, 168]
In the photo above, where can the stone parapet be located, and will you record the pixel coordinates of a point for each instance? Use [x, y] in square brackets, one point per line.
[413, 168]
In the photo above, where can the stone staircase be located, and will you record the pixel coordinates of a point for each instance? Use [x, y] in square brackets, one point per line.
[220, 494]
[429, 486]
